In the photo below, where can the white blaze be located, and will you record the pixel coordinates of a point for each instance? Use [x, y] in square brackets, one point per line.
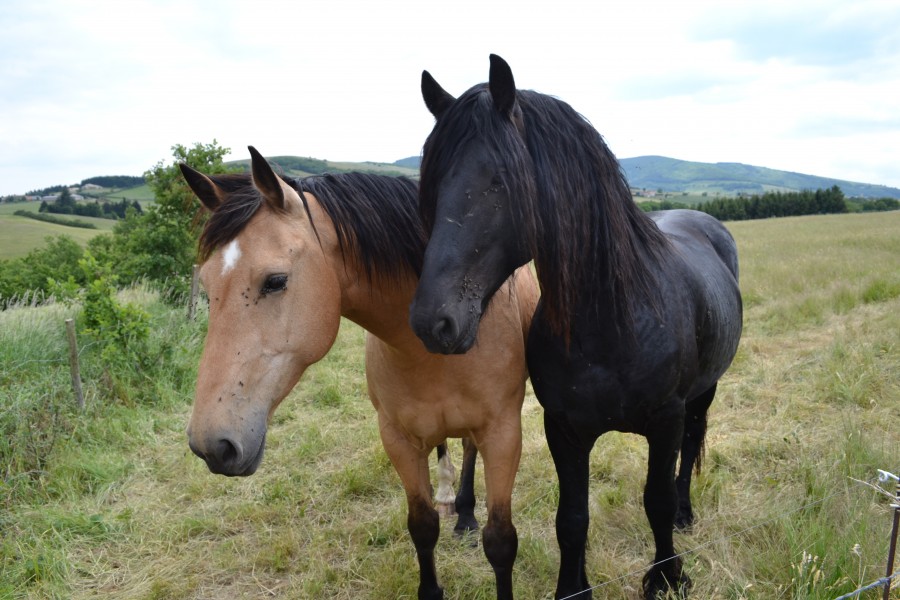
[230, 256]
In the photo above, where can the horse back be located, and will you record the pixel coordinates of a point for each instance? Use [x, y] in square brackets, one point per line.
[705, 261]
[699, 232]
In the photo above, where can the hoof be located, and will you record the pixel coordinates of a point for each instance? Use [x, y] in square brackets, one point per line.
[445, 510]
[464, 525]
[431, 594]
[466, 536]
[684, 519]
[666, 583]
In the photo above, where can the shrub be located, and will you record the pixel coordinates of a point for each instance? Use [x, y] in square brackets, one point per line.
[58, 260]
[119, 329]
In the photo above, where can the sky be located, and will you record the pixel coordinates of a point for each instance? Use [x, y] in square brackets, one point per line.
[96, 87]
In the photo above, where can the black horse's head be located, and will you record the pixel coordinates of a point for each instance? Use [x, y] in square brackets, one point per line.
[475, 176]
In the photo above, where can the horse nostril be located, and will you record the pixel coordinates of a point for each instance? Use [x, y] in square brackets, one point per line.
[445, 329]
[226, 452]
[196, 450]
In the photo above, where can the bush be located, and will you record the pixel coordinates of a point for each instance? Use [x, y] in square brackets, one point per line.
[58, 260]
[160, 245]
[119, 329]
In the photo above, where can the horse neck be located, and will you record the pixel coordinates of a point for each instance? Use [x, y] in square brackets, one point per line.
[610, 268]
[379, 305]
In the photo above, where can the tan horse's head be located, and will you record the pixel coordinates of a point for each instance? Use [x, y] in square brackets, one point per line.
[274, 309]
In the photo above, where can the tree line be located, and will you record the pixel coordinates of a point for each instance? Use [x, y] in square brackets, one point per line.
[65, 204]
[114, 181]
[781, 204]
[777, 204]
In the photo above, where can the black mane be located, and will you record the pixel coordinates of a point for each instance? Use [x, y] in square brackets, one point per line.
[570, 198]
[374, 215]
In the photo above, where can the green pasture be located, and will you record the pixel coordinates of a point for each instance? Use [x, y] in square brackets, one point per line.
[110, 502]
[19, 235]
[141, 193]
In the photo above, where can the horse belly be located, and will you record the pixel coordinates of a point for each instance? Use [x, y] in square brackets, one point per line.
[602, 384]
[594, 398]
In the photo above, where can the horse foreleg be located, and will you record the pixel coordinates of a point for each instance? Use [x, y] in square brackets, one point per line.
[660, 504]
[691, 449]
[423, 523]
[501, 450]
[572, 462]
[465, 497]
[422, 520]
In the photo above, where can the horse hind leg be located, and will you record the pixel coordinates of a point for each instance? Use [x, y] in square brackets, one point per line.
[691, 454]
[666, 576]
[445, 498]
[465, 498]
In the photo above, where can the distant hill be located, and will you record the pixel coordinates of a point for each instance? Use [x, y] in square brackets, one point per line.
[672, 175]
[728, 179]
[298, 166]
[412, 162]
[643, 172]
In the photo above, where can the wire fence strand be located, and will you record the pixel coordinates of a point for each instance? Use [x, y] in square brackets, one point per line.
[884, 581]
[736, 534]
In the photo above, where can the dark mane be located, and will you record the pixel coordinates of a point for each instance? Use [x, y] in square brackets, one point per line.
[571, 201]
[374, 215]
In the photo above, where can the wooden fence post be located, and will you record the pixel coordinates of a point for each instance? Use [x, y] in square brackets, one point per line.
[73, 363]
[195, 290]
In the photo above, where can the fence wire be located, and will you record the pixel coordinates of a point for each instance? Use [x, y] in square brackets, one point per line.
[884, 581]
[881, 582]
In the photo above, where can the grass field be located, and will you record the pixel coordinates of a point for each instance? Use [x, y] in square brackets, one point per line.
[141, 193]
[20, 235]
[115, 506]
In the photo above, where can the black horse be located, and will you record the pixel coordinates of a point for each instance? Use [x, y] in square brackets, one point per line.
[640, 314]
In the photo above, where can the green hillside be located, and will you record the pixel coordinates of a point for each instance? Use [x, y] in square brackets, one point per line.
[298, 166]
[730, 179]
[20, 235]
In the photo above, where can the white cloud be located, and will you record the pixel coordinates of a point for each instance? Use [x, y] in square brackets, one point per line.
[103, 87]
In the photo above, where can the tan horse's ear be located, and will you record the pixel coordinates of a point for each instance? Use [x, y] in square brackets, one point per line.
[436, 98]
[265, 179]
[208, 192]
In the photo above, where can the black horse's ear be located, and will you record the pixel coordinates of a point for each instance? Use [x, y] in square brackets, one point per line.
[202, 186]
[436, 98]
[502, 86]
[265, 179]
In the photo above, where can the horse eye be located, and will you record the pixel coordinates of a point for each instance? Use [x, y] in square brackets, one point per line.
[274, 283]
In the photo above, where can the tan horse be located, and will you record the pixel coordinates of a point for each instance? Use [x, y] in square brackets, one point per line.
[282, 263]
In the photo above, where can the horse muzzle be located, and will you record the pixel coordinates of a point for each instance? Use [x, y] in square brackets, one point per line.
[444, 330]
[227, 455]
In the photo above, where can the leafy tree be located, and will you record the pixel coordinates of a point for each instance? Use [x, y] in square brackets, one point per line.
[57, 260]
[173, 196]
[65, 204]
[160, 244]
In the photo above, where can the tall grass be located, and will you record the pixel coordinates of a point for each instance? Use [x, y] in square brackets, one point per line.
[110, 502]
